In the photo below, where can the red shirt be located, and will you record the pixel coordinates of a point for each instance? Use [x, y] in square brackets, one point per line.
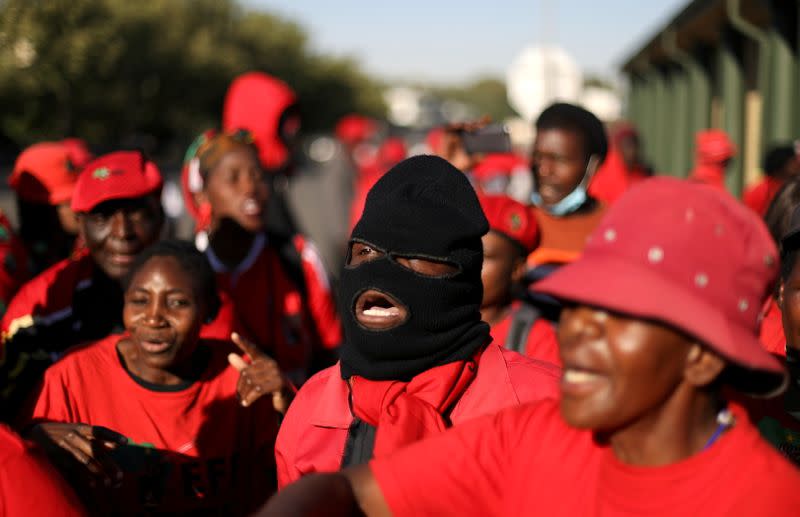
[709, 174]
[771, 331]
[28, 484]
[541, 343]
[14, 267]
[260, 301]
[195, 448]
[313, 433]
[527, 461]
[759, 196]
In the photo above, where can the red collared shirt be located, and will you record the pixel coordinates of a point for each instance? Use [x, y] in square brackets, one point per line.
[313, 433]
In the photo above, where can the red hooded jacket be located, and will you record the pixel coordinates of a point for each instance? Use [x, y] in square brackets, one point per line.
[257, 102]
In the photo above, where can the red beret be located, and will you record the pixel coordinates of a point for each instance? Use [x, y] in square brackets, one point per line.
[512, 219]
[117, 175]
[46, 172]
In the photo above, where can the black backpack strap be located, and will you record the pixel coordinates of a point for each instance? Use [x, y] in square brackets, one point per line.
[521, 324]
[290, 258]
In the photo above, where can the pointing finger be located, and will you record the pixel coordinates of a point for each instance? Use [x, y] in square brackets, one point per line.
[247, 346]
[237, 362]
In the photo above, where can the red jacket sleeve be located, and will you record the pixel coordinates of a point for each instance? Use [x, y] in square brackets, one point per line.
[286, 443]
[29, 485]
[320, 300]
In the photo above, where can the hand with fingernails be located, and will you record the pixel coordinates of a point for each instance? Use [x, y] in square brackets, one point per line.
[89, 446]
[259, 376]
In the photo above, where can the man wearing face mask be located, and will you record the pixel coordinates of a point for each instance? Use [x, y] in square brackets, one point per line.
[570, 145]
[417, 358]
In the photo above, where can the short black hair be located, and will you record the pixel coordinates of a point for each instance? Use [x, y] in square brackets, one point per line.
[776, 159]
[779, 213]
[578, 120]
[191, 261]
[779, 221]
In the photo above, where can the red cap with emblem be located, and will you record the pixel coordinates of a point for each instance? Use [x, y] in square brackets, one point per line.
[691, 257]
[117, 175]
[46, 172]
[512, 219]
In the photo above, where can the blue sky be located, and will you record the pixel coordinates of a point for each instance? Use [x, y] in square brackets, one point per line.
[450, 41]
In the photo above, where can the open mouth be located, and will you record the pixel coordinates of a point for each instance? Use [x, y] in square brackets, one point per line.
[578, 381]
[250, 207]
[155, 344]
[379, 311]
[549, 191]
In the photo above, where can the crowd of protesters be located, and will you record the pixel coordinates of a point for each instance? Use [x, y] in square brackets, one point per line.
[487, 333]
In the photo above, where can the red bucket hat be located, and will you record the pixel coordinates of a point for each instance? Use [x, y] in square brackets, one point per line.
[512, 219]
[46, 172]
[688, 256]
[117, 175]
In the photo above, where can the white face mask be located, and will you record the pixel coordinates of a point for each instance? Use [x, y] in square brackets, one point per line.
[575, 199]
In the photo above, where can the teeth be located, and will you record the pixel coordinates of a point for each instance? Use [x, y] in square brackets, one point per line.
[579, 376]
[250, 207]
[381, 312]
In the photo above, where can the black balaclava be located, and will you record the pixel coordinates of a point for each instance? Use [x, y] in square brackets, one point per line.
[424, 208]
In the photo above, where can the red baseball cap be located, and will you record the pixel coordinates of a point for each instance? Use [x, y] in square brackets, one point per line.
[353, 129]
[713, 145]
[117, 175]
[512, 219]
[46, 172]
[499, 164]
[688, 256]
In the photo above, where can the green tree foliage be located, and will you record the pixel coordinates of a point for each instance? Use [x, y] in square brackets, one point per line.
[150, 72]
[487, 96]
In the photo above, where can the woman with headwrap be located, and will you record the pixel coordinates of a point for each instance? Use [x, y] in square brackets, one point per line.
[274, 288]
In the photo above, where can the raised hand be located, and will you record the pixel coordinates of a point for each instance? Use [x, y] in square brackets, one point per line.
[260, 376]
[89, 447]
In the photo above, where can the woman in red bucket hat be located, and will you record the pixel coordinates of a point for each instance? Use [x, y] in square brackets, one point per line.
[661, 314]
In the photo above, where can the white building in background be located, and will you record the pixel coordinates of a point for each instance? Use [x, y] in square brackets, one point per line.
[542, 75]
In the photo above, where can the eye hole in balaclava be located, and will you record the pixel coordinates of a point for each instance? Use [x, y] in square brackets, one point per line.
[424, 265]
[420, 239]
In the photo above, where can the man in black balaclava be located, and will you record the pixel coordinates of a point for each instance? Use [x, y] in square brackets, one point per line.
[423, 215]
[416, 357]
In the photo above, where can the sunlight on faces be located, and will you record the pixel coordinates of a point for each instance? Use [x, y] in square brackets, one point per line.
[116, 231]
[237, 189]
[163, 313]
[617, 369]
[558, 162]
[789, 303]
[503, 265]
